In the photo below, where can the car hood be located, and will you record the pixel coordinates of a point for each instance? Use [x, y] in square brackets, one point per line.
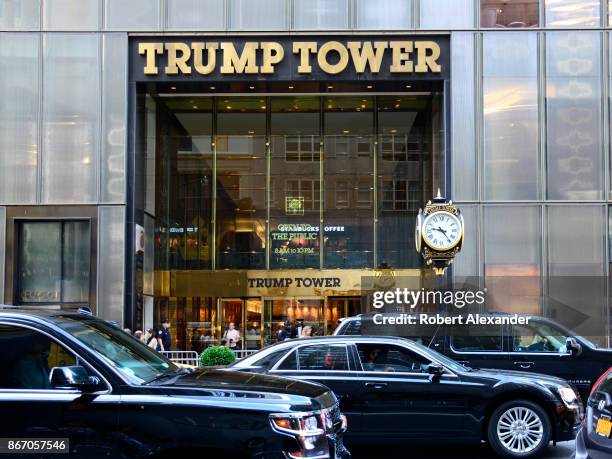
[515, 375]
[231, 380]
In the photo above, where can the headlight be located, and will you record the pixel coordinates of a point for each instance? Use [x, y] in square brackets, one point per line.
[298, 425]
[568, 395]
[309, 429]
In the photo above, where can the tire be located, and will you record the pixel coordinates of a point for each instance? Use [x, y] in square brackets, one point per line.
[519, 428]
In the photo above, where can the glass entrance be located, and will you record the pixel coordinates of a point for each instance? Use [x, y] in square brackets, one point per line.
[293, 315]
[339, 307]
[246, 315]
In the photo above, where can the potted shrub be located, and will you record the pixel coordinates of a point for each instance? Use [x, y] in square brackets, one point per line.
[216, 356]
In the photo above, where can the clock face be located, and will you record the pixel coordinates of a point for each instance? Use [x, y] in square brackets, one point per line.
[442, 230]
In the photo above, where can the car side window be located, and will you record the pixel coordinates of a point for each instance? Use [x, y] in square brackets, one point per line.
[536, 337]
[390, 358]
[321, 357]
[27, 358]
[353, 327]
[482, 339]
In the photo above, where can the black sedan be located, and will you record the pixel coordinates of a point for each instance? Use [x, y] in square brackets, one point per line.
[594, 441]
[393, 390]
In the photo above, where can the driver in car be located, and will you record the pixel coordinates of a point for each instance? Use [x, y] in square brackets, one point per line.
[31, 370]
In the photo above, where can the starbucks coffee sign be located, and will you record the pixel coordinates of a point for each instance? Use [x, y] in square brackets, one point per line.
[295, 58]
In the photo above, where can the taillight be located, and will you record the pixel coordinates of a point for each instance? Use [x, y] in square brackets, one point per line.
[600, 380]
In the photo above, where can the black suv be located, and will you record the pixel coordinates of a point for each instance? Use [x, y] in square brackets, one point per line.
[70, 375]
[541, 346]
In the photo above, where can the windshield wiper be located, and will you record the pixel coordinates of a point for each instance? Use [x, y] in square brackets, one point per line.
[166, 374]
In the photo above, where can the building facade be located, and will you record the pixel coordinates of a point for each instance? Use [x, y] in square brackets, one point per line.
[252, 161]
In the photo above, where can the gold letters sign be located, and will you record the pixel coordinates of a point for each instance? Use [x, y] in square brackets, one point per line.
[332, 57]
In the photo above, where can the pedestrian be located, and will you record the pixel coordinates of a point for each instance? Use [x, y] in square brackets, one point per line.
[164, 336]
[153, 342]
[306, 332]
[128, 331]
[299, 327]
[232, 336]
[285, 332]
[138, 335]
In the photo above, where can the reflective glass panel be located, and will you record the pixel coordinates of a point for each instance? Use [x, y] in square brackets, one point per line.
[457, 14]
[577, 280]
[114, 118]
[71, 117]
[510, 111]
[572, 13]
[348, 172]
[196, 14]
[258, 14]
[19, 78]
[133, 14]
[320, 14]
[384, 14]
[463, 117]
[20, 14]
[512, 257]
[509, 13]
[295, 186]
[574, 113]
[241, 182]
[71, 15]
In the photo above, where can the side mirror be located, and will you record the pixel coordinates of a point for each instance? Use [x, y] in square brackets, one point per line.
[573, 347]
[74, 377]
[435, 371]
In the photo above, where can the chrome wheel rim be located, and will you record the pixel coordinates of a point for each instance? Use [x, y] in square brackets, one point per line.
[520, 430]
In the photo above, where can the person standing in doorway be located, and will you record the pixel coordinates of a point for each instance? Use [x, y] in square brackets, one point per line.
[164, 336]
[232, 336]
[299, 327]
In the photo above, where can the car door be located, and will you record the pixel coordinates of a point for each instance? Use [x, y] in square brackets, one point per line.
[330, 364]
[401, 400]
[480, 346]
[42, 411]
[541, 348]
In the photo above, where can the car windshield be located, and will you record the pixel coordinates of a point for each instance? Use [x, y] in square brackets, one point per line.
[128, 355]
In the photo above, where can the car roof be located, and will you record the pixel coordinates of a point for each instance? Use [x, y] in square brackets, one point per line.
[50, 313]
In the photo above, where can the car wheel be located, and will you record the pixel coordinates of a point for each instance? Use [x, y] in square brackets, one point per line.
[519, 429]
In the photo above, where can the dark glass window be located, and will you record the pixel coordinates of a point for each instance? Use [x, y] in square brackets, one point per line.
[323, 357]
[537, 337]
[241, 182]
[481, 339]
[295, 195]
[348, 172]
[508, 13]
[54, 262]
[384, 357]
[184, 173]
[290, 363]
[28, 357]
[404, 160]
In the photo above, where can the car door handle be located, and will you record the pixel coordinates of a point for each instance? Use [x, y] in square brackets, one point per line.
[525, 365]
[376, 385]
